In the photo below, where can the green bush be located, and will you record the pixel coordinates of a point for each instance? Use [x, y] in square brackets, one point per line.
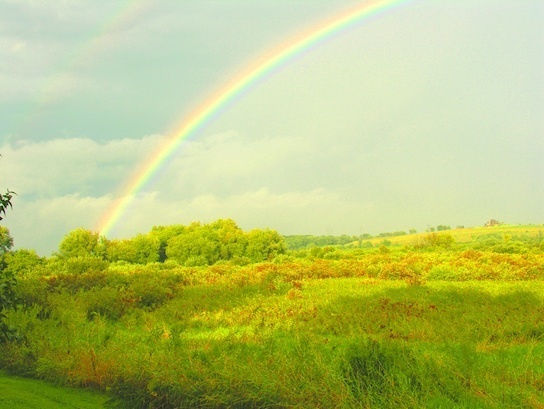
[105, 302]
[79, 265]
[8, 300]
[151, 291]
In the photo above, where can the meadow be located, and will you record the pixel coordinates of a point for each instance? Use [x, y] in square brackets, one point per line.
[434, 322]
[24, 393]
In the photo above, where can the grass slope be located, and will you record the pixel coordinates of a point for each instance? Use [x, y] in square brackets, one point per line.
[467, 235]
[21, 393]
[457, 326]
[318, 343]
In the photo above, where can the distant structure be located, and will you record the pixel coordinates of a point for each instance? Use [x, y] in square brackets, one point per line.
[491, 223]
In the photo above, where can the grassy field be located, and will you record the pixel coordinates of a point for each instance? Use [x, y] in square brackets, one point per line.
[469, 234]
[21, 393]
[443, 326]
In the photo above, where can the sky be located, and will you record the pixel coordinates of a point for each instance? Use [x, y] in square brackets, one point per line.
[429, 113]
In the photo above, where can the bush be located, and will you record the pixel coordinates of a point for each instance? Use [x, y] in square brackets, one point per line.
[79, 265]
[434, 240]
[151, 291]
[105, 302]
[8, 300]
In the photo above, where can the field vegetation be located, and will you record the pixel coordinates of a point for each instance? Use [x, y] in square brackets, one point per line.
[24, 393]
[210, 316]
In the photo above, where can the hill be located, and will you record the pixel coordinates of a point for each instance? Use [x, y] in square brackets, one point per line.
[466, 235]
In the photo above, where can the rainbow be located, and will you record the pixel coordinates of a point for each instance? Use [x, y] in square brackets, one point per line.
[257, 71]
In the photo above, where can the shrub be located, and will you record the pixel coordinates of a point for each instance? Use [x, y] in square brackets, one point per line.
[105, 302]
[8, 300]
[435, 240]
[79, 265]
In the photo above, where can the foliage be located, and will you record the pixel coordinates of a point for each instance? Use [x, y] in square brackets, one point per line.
[298, 242]
[164, 234]
[392, 234]
[141, 249]
[436, 240]
[8, 300]
[264, 245]
[7, 279]
[20, 261]
[199, 245]
[6, 241]
[206, 244]
[268, 335]
[436, 323]
[78, 265]
[81, 243]
[21, 393]
[5, 202]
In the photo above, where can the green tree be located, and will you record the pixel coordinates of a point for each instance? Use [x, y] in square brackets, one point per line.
[232, 240]
[119, 250]
[8, 298]
[164, 234]
[141, 249]
[6, 241]
[81, 242]
[20, 261]
[197, 246]
[263, 245]
[437, 240]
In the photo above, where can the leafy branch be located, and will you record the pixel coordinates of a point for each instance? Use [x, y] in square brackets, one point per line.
[5, 202]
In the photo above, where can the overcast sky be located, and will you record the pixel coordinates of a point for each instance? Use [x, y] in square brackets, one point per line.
[431, 113]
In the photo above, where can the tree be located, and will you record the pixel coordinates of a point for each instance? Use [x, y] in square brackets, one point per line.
[232, 240]
[81, 242]
[8, 298]
[263, 245]
[6, 241]
[21, 261]
[164, 234]
[141, 249]
[197, 246]
[436, 240]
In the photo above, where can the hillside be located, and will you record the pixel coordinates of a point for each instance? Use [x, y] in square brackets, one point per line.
[453, 321]
[467, 235]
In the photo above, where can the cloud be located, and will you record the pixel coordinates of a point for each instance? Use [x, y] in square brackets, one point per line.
[41, 224]
[288, 212]
[396, 123]
[296, 184]
[63, 184]
[68, 166]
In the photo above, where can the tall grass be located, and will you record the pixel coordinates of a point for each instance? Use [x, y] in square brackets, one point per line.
[405, 328]
[21, 393]
[272, 336]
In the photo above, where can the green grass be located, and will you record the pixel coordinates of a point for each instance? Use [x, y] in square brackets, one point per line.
[22, 393]
[401, 328]
[323, 343]
[468, 234]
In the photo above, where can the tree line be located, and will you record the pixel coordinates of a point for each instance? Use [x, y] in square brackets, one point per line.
[196, 244]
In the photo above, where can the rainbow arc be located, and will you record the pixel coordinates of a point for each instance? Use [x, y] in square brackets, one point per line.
[263, 67]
